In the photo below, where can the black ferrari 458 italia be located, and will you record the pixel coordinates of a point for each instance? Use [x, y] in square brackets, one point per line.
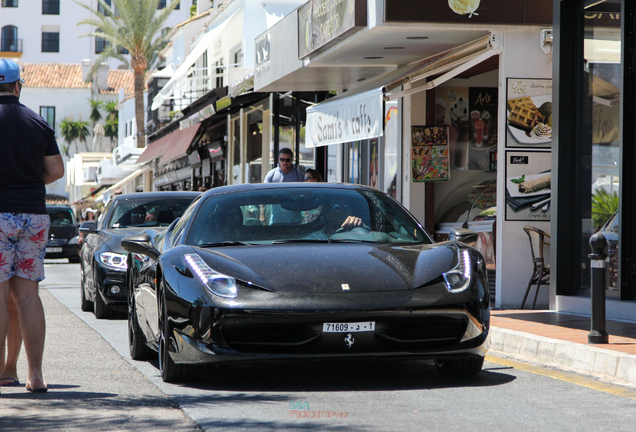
[303, 270]
[103, 261]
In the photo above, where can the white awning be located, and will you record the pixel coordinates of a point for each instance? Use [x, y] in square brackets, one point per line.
[358, 113]
[204, 43]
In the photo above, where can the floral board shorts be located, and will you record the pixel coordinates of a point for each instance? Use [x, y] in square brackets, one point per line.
[23, 239]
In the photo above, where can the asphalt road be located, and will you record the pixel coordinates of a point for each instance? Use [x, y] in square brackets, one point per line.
[94, 384]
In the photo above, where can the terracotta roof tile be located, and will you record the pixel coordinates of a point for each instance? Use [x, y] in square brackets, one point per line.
[56, 75]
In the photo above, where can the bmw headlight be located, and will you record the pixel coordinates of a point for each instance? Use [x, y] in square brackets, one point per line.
[113, 260]
[458, 279]
[219, 284]
[74, 240]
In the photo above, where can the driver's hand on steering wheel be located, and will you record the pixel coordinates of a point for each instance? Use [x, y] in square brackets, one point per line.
[352, 222]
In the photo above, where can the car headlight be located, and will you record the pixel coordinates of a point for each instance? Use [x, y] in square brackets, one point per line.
[113, 260]
[218, 284]
[74, 240]
[458, 279]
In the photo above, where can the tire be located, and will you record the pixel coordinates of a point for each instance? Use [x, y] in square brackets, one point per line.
[102, 311]
[170, 371]
[86, 305]
[467, 366]
[136, 340]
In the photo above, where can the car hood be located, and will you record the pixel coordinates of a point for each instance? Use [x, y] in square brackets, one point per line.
[112, 237]
[62, 231]
[360, 267]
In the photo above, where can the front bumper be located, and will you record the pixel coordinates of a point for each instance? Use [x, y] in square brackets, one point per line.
[107, 279]
[250, 335]
[63, 251]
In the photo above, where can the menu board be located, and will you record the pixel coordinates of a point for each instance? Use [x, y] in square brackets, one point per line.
[529, 113]
[430, 159]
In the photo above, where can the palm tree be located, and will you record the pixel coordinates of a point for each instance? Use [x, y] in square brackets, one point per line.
[111, 130]
[112, 109]
[135, 26]
[604, 205]
[74, 130]
[95, 114]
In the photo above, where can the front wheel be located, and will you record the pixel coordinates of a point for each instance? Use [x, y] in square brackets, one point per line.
[136, 340]
[86, 305]
[467, 366]
[170, 371]
[102, 310]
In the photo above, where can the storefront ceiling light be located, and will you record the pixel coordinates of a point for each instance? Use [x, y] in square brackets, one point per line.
[372, 58]
[393, 48]
[417, 37]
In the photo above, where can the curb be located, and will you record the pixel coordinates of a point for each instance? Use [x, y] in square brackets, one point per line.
[564, 354]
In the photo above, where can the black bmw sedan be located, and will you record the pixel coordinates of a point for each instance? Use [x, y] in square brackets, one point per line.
[303, 271]
[103, 261]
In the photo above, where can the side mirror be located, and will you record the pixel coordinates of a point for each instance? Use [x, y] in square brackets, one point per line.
[88, 227]
[141, 244]
[463, 235]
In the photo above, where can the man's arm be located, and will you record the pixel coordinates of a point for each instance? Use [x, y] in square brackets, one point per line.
[53, 168]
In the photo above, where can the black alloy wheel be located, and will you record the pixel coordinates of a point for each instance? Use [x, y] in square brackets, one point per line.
[170, 371]
[467, 366]
[136, 340]
[102, 311]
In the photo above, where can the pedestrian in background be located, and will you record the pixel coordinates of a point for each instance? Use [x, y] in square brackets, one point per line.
[30, 160]
[311, 175]
[285, 171]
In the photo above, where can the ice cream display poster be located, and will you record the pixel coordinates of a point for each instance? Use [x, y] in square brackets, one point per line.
[471, 115]
[528, 185]
[528, 112]
[429, 153]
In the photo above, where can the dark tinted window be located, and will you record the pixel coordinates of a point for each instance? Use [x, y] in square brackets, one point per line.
[61, 216]
[148, 212]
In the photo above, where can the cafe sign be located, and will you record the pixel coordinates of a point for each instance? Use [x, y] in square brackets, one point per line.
[349, 119]
[321, 23]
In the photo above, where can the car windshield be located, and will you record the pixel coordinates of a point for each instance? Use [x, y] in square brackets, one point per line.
[303, 215]
[148, 212]
[60, 216]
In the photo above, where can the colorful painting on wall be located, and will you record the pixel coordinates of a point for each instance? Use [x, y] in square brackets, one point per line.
[430, 157]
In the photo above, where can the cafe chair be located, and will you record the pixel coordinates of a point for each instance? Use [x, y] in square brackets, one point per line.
[541, 270]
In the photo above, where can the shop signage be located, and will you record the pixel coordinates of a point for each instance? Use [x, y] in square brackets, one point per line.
[262, 63]
[521, 12]
[324, 22]
[349, 119]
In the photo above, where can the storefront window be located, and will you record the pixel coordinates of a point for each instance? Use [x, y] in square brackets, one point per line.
[601, 140]
[235, 142]
[257, 120]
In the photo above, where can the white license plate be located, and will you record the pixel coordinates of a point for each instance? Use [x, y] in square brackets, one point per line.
[53, 249]
[348, 327]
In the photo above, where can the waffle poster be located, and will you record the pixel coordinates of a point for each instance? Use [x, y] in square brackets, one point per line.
[471, 114]
[429, 153]
[529, 113]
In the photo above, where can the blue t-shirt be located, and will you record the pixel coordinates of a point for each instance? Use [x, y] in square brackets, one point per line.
[25, 139]
[278, 176]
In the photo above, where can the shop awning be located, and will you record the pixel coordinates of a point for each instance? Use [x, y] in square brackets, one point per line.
[358, 113]
[204, 43]
[170, 147]
[107, 193]
[179, 144]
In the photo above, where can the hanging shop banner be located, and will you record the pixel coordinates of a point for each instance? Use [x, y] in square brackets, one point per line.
[471, 115]
[349, 119]
[430, 159]
[528, 185]
[529, 112]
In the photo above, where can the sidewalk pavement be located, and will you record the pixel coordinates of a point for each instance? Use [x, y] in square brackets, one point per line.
[104, 394]
[560, 340]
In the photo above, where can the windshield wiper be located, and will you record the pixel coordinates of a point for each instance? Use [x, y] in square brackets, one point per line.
[300, 241]
[226, 243]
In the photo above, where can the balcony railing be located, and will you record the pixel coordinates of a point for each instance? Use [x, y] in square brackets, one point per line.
[9, 3]
[11, 45]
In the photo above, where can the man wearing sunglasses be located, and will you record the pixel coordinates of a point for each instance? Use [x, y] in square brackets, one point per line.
[285, 171]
